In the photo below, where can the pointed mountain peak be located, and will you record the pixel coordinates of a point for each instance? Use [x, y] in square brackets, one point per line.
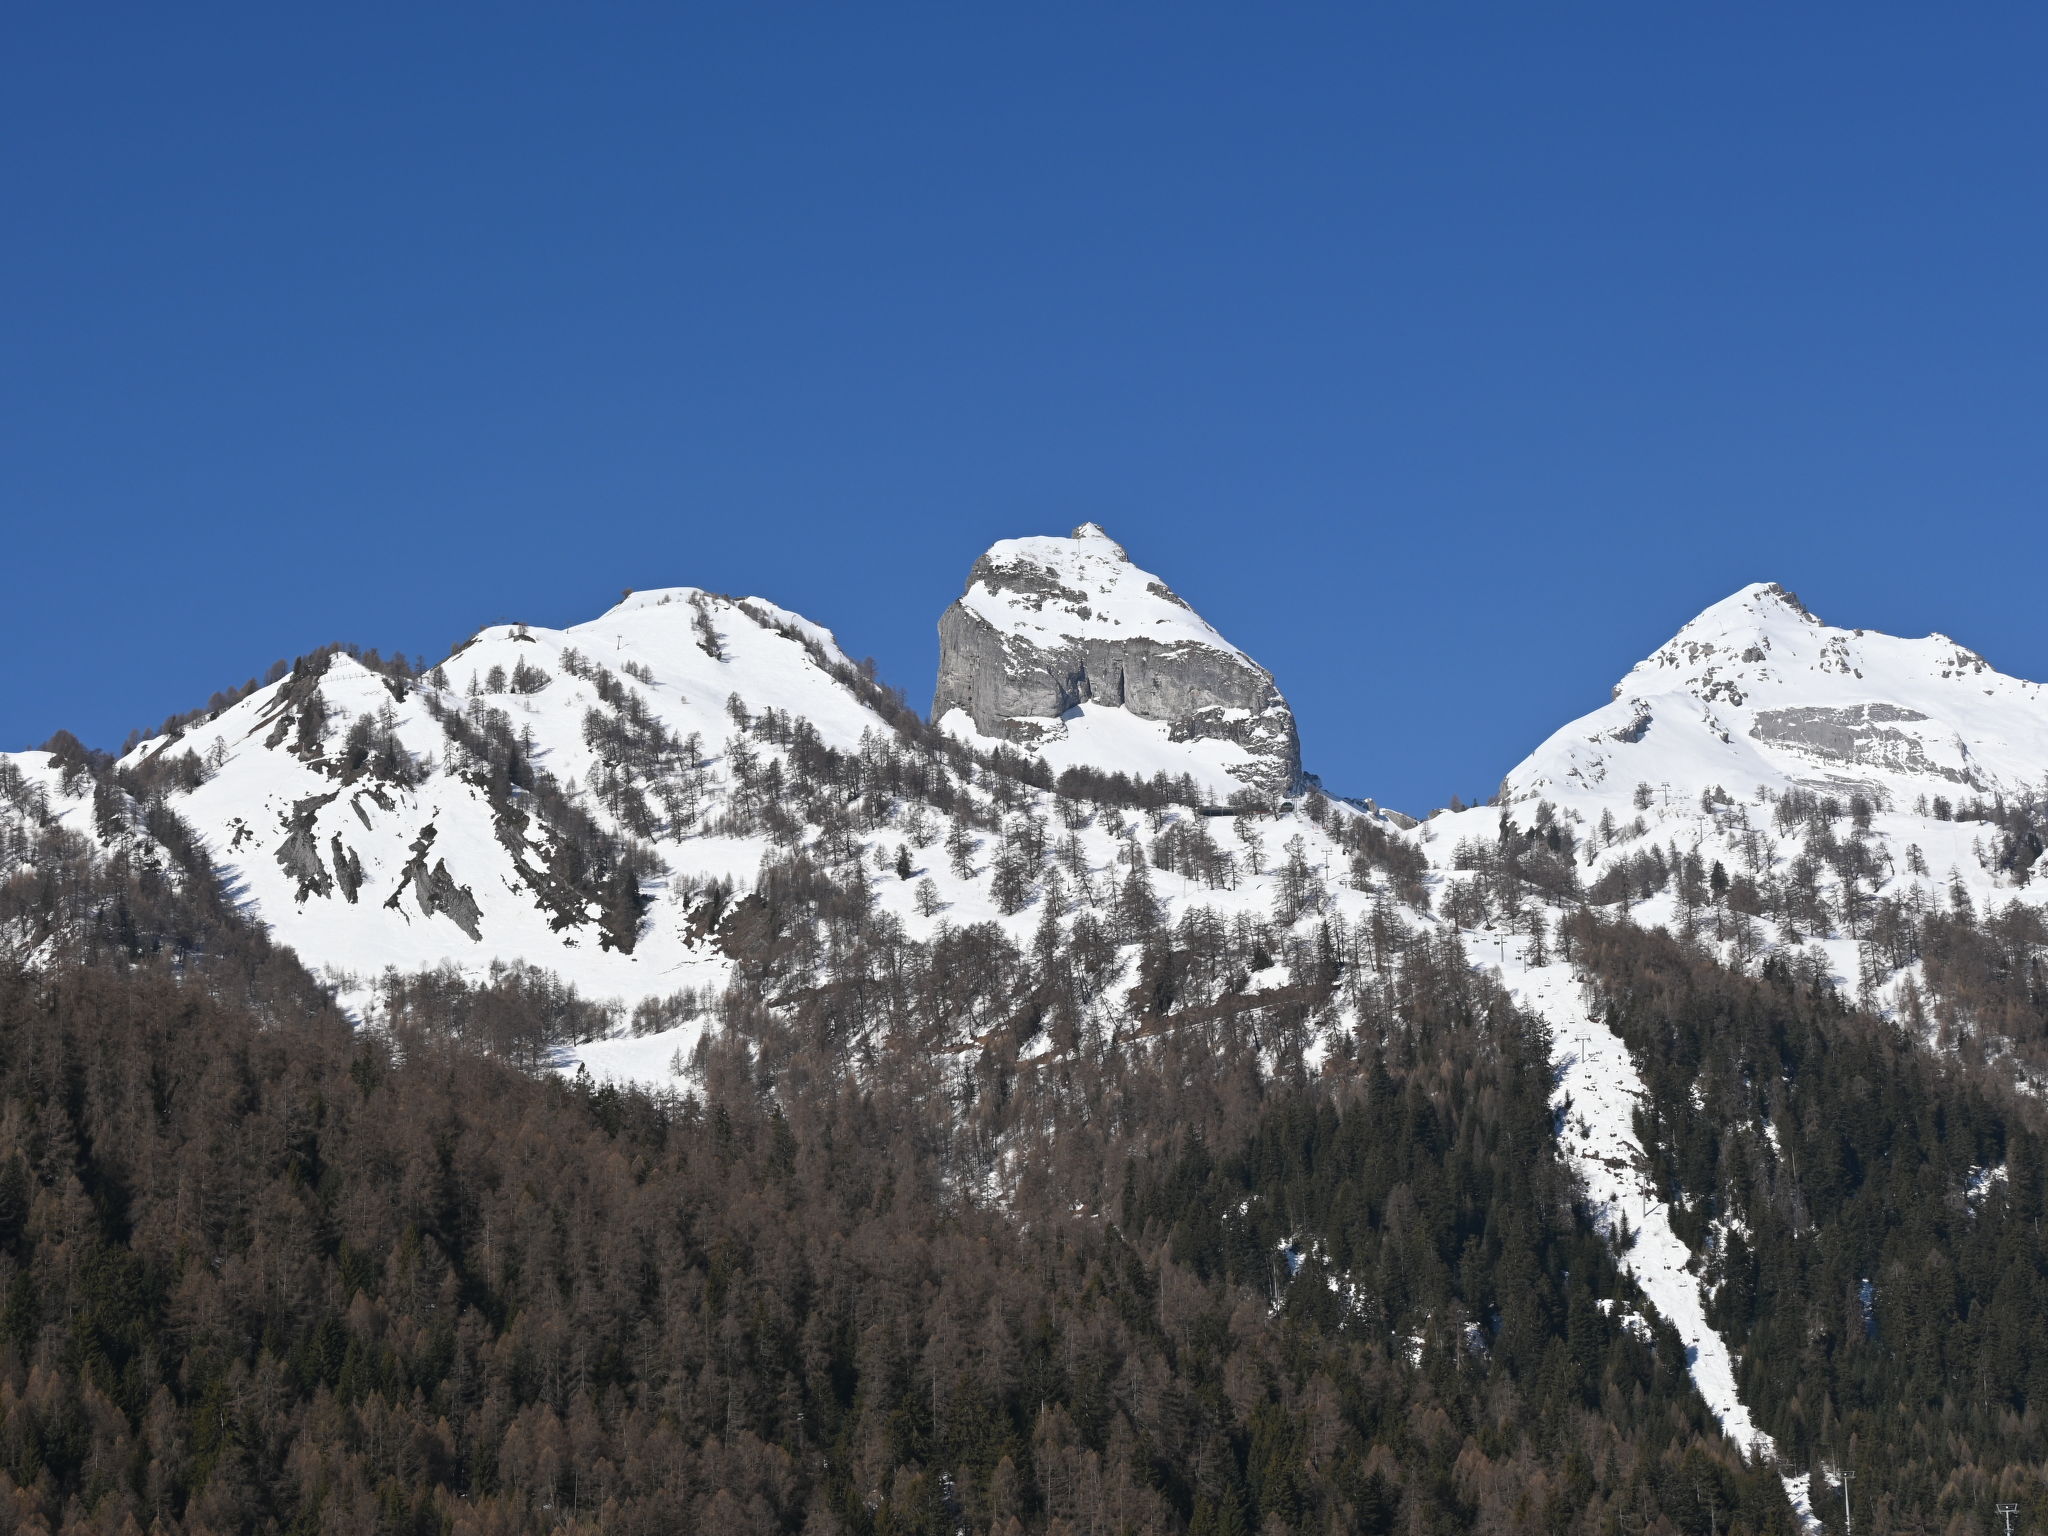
[1758, 625]
[1055, 636]
[1757, 691]
[1761, 603]
[1094, 531]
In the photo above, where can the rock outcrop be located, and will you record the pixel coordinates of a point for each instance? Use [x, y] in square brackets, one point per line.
[1052, 632]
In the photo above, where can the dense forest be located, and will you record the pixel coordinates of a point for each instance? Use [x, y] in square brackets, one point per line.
[267, 1273]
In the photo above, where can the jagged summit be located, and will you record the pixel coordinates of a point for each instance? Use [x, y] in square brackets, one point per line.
[1067, 648]
[1758, 691]
[1095, 531]
[1754, 612]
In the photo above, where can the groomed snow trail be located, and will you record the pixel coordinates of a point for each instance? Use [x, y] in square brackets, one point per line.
[1595, 1095]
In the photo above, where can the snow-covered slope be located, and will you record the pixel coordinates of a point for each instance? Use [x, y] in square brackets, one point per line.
[36, 795]
[1598, 1092]
[1064, 647]
[41, 805]
[1799, 787]
[355, 815]
[1757, 692]
[590, 801]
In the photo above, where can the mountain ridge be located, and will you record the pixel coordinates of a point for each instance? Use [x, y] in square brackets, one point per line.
[691, 825]
[1754, 697]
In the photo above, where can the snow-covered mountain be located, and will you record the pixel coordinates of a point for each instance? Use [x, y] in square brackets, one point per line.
[490, 811]
[573, 799]
[601, 803]
[1830, 786]
[1064, 647]
[1771, 785]
[1774, 788]
[1758, 693]
[591, 801]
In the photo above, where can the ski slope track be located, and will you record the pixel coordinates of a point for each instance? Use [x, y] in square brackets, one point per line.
[1594, 1102]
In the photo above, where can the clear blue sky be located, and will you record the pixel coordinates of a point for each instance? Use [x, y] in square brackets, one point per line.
[1446, 356]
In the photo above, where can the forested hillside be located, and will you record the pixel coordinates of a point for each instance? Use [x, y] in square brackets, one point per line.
[263, 1271]
[1872, 1216]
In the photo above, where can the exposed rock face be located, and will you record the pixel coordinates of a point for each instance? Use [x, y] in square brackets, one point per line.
[435, 889]
[1858, 735]
[1048, 626]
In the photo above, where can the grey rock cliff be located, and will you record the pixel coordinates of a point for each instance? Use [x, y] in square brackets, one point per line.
[1046, 625]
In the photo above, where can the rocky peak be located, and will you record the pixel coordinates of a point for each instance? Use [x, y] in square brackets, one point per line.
[1063, 645]
[1095, 531]
[1760, 626]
